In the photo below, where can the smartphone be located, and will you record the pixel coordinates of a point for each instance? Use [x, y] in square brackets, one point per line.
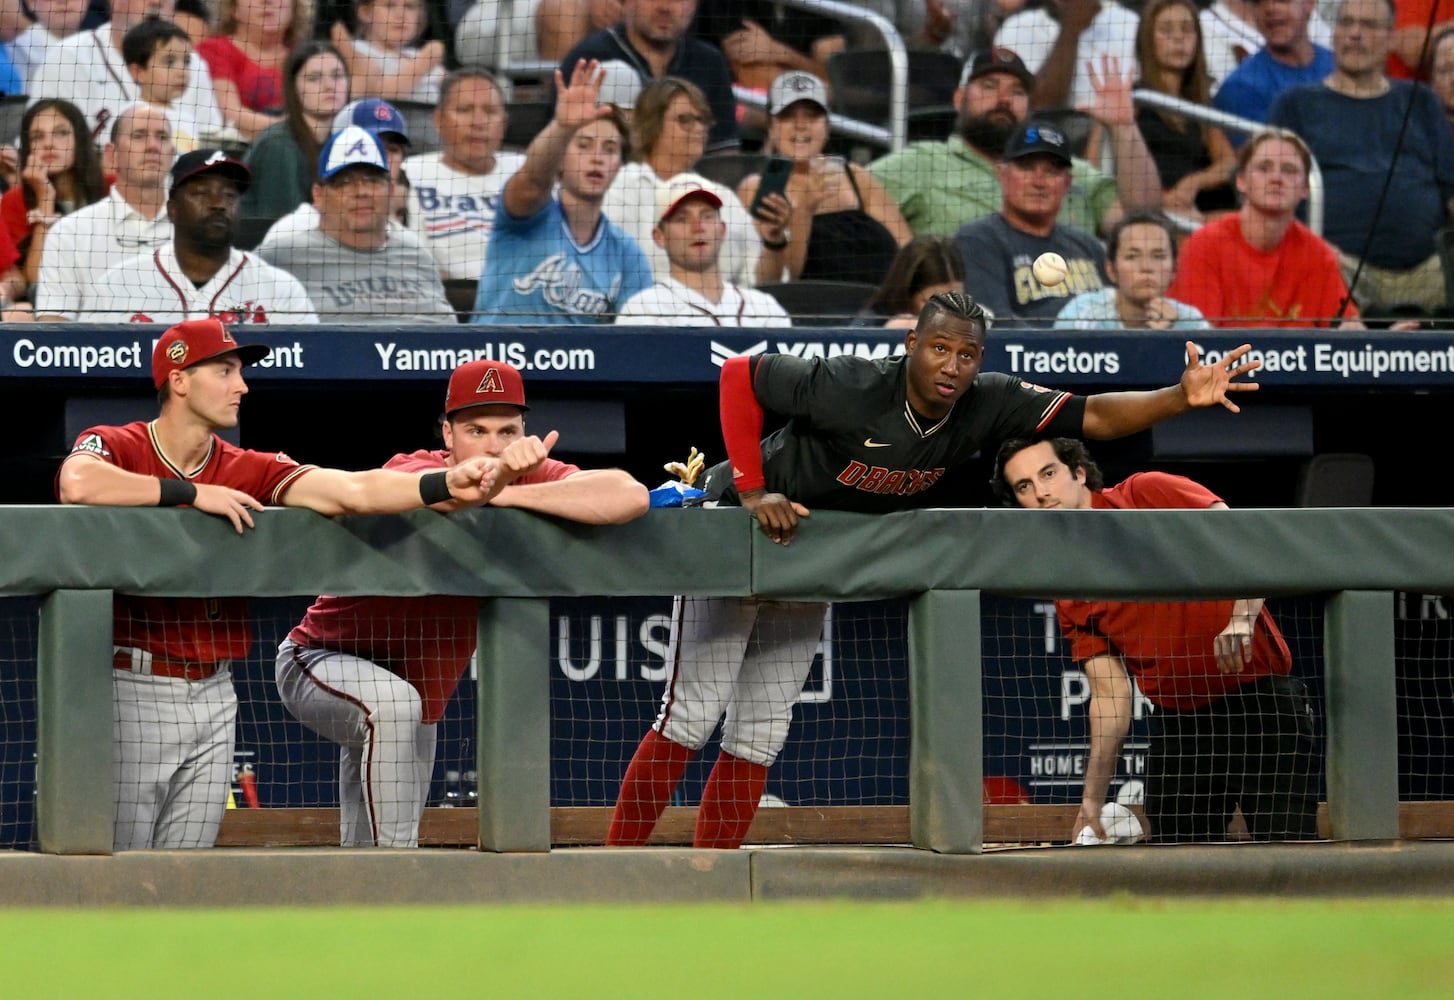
[773, 180]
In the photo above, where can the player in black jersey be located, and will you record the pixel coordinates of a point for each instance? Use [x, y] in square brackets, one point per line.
[863, 435]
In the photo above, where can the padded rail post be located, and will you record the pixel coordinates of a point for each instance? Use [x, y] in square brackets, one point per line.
[75, 804]
[513, 748]
[1362, 716]
[946, 724]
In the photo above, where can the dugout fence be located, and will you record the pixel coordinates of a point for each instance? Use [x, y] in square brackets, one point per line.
[936, 618]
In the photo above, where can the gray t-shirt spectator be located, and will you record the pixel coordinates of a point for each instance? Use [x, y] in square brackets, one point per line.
[399, 282]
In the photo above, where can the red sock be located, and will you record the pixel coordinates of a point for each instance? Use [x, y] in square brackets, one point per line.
[729, 802]
[655, 769]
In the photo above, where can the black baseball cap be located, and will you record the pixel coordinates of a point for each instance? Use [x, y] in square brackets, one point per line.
[206, 161]
[1032, 138]
[996, 60]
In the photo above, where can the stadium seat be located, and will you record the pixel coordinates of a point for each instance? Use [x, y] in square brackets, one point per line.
[419, 117]
[858, 81]
[12, 109]
[729, 168]
[250, 232]
[820, 303]
[461, 295]
[526, 120]
[1336, 479]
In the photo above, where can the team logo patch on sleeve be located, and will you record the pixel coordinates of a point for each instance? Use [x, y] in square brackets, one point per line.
[92, 444]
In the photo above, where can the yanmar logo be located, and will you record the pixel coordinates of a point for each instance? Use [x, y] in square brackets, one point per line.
[808, 349]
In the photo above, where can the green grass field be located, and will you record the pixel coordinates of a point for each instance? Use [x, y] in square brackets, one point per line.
[1146, 949]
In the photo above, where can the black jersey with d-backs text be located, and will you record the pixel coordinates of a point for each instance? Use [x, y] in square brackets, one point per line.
[853, 443]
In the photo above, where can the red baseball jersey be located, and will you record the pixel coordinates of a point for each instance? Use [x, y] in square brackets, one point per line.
[1168, 645]
[188, 628]
[428, 641]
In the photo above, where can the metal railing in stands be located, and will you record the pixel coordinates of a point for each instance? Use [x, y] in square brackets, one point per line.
[893, 136]
[1235, 123]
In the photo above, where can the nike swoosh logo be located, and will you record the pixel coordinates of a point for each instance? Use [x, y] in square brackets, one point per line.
[871, 443]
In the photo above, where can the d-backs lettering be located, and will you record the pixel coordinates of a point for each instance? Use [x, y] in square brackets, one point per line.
[877, 479]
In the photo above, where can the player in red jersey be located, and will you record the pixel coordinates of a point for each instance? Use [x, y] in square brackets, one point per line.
[175, 706]
[1231, 728]
[374, 674]
[864, 435]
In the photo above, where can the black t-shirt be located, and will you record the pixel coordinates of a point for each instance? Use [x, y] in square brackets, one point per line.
[853, 443]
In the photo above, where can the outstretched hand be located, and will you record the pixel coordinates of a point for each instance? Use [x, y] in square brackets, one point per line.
[577, 104]
[224, 501]
[1113, 104]
[777, 515]
[1207, 385]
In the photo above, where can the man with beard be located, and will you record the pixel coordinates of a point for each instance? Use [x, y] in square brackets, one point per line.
[939, 186]
[199, 273]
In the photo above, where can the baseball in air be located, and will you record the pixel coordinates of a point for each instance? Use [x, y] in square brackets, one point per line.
[1049, 269]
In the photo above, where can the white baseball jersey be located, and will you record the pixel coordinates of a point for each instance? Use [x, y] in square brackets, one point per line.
[671, 303]
[87, 70]
[631, 204]
[151, 288]
[88, 242]
[452, 213]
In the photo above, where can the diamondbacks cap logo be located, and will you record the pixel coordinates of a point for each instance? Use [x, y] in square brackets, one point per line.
[490, 383]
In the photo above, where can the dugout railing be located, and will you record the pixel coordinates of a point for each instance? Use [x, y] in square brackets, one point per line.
[944, 561]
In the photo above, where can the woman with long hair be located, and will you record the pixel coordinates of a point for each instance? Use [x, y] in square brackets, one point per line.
[60, 171]
[845, 226]
[923, 267]
[1196, 162]
[246, 56]
[315, 88]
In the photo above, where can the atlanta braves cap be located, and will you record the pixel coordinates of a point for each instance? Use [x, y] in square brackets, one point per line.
[353, 147]
[1031, 139]
[206, 161]
[479, 383]
[196, 341]
[678, 190]
[374, 114]
[996, 60]
[795, 86]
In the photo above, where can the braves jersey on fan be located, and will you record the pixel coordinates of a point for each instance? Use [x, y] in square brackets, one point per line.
[427, 641]
[151, 288]
[853, 443]
[201, 630]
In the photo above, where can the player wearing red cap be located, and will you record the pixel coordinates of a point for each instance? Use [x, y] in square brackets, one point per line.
[374, 674]
[175, 706]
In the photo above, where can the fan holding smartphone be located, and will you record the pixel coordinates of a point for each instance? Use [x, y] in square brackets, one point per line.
[844, 225]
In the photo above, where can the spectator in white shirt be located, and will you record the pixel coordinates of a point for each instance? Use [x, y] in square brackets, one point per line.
[455, 191]
[131, 219]
[54, 20]
[689, 230]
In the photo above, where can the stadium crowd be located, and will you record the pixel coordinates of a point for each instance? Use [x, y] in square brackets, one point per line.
[105, 98]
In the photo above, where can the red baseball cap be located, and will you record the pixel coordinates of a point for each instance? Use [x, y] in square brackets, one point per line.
[479, 383]
[195, 341]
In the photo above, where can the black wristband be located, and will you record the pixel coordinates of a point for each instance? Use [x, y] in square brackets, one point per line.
[778, 245]
[176, 493]
[434, 488]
